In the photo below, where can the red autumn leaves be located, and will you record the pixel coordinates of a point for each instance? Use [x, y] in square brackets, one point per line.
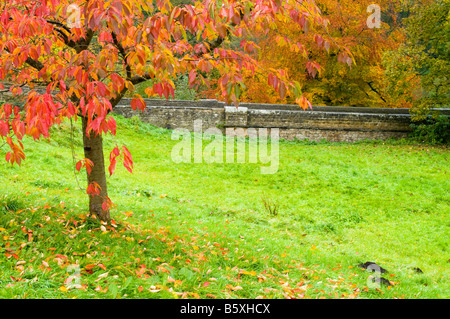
[127, 159]
[116, 153]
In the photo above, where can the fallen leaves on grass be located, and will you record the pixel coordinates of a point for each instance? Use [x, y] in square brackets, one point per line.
[153, 256]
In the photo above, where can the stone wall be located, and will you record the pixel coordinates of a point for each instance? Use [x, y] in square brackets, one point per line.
[335, 124]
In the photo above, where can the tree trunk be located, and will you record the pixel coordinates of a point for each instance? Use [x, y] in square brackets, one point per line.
[93, 150]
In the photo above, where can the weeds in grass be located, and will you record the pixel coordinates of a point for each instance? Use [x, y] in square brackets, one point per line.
[270, 205]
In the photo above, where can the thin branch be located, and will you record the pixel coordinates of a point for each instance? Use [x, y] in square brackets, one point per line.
[374, 90]
[34, 63]
[122, 52]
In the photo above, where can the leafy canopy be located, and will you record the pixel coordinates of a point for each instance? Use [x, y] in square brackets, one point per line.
[88, 54]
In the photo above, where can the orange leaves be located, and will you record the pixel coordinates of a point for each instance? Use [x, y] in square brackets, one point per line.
[249, 273]
[117, 82]
[191, 78]
[248, 46]
[85, 162]
[93, 189]
[303, 102]
[105, 36]
[138, 103]
[8, 255]
[107, 205]
[313, 67]
[279, 83]
[111, 125]
[164, 89]
[28, 232]
[89, 267]
[177, 282]
[344, 57]
[96, 110]
[230, 85]
[16, 155]
[223, 30]
[127, 159]
[112, 159]
[233, 288]
[319, 40]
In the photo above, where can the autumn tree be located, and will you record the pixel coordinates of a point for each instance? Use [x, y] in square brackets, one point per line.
[89, 54]
[317, 63]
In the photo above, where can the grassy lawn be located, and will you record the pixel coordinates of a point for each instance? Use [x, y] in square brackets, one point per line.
[202, 231]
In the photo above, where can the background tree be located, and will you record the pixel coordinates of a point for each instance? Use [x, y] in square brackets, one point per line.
[334, 83]
[108, 47]
[419, 69]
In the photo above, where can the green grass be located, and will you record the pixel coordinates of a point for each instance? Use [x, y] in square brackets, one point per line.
[202, 231]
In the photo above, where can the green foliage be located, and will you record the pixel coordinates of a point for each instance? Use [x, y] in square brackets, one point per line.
[420, 68]
[182, 90]
[432, 130]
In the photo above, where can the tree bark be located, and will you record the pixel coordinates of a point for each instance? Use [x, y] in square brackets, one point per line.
[93, 150]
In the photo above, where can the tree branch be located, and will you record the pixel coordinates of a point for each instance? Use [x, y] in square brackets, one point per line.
[122, 52]
[374, 90]
[80, 45]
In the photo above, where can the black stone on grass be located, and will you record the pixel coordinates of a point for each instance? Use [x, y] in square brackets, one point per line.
[372, 266]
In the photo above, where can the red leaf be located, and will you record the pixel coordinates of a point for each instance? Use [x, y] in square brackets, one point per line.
[112, 158]
[192, 75]
[127, 160]
[79, 165]
[88, 164]
[111, 122]
[105, 36]
[93, 189]
[118, 82]
[4, 128]
[138, 103]
[101, 87]
[102, 266]
[89, 267]
[62, 85]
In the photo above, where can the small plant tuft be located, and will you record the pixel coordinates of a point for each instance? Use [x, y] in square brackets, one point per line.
[270, 205]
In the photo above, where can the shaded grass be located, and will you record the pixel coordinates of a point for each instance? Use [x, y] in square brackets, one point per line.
[202, 231]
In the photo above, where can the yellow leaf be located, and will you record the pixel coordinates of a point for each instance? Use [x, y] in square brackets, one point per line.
[63, 289]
